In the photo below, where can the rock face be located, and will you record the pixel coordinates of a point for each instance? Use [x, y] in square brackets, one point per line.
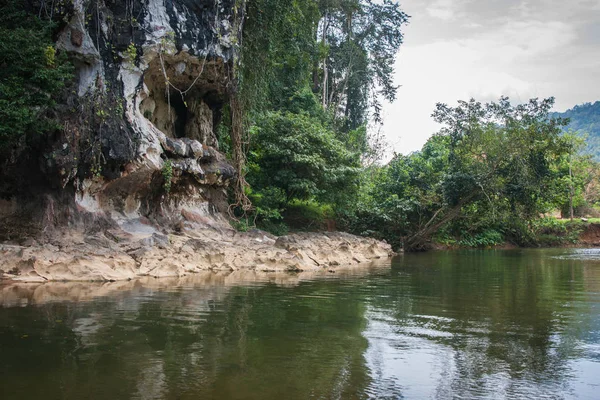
[135, 184]
[140, 124]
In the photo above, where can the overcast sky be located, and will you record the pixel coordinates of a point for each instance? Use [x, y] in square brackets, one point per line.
[458, 49]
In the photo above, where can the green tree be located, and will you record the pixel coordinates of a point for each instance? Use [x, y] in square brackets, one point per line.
[278, 52]
[298, 155]
[574, 173]
[310, 73]
[499, 162]
[359, 41]
[343, 49]
[395, 199]
[490, 170]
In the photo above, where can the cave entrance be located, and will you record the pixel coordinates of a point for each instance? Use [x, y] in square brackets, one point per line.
[177, 118]
[180, 110]
[197, 115]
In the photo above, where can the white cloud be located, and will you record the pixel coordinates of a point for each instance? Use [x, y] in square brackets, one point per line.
[439, 72]
[445, 14]
[520, 49]
[472, 25]
[528, 38]
[446, 10]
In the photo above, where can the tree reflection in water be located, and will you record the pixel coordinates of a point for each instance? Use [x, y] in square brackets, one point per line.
[473, 324]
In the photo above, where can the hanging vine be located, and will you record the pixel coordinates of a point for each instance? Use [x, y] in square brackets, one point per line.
[239, 132]
[239, 144]
[168, 84]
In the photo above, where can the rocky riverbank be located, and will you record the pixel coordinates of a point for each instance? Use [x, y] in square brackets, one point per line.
[117, 255]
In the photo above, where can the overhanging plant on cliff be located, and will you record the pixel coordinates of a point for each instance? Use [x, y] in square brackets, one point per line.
[31, 74]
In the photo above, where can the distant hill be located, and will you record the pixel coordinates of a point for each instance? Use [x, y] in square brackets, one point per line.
[585, 118]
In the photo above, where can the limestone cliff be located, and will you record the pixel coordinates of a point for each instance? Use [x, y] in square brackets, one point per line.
[139, 138]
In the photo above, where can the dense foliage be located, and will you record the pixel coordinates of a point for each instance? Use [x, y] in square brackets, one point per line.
[31, 74]
[489, 173]
[311, 73]
[303, 158]
[342, 50]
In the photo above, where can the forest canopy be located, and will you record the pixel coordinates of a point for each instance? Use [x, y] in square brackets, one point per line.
[313, 78]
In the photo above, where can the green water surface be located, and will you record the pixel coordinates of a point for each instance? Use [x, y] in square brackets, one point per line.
[475, 324]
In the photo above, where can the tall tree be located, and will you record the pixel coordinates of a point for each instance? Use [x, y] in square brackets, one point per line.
[359, 41]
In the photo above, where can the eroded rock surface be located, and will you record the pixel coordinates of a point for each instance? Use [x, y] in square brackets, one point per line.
[118, 255]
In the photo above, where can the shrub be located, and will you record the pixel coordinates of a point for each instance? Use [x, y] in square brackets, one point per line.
[307, 215]
[487, 238]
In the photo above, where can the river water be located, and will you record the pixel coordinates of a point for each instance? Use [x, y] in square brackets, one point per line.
[471, 324]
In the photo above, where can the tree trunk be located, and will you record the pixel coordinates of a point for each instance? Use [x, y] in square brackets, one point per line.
[418, 241]
[570, 191]
[325, 73]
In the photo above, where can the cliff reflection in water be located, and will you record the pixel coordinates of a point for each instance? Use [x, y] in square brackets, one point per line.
[473, 324]
[214, 336]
